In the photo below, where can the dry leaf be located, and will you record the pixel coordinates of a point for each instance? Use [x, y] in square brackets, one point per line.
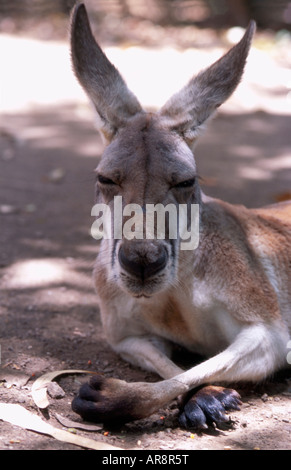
[69, 423]
[39, 387]
[19, 416]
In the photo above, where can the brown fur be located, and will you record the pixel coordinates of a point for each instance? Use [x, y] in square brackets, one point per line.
[229, 299]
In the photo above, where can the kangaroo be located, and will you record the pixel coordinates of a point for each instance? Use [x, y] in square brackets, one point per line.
[229, 299]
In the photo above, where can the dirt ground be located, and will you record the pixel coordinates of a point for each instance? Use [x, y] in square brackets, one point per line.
[49, 313]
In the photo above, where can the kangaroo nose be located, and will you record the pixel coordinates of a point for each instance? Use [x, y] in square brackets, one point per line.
[142, 264]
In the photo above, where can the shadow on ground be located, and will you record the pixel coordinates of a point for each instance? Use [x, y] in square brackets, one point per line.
[47, 192]
[49, 313]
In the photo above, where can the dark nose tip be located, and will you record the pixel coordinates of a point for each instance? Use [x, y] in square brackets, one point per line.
[141, 266]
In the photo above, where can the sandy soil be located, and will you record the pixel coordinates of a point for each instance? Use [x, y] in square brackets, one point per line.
[48, 309]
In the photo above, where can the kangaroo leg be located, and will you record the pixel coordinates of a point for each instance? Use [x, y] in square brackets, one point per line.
[112, 400]
[256, 352]
[198, 408]
[207, 406]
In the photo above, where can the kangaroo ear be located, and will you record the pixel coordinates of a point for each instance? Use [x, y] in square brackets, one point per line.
[188, 110]
[114, 102]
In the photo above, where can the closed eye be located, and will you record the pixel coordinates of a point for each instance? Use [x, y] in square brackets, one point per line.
[104, 180]
[185, 184]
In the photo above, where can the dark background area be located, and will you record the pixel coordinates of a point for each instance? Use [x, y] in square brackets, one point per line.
[19, 15]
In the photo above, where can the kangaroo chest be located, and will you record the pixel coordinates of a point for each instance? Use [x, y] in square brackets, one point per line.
[193, 322]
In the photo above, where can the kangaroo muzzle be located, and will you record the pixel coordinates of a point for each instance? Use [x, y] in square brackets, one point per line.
[142, 261]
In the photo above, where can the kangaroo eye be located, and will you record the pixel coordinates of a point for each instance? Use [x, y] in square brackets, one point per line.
[104, 180]
[185, 184]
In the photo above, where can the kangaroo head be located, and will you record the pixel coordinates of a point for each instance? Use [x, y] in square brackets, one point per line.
[149, 159]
